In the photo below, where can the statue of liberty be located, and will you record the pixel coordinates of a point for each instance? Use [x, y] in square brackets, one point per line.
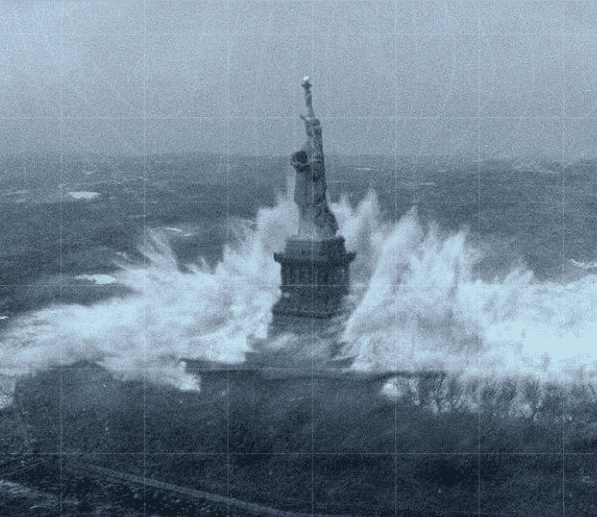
[316, 221]
[314, 264]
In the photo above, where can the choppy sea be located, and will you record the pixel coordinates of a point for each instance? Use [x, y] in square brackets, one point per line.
[482, 268]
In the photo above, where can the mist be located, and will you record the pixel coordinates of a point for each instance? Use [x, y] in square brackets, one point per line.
[487, 80]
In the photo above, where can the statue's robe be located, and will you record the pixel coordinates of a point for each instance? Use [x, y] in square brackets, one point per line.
[316, 220]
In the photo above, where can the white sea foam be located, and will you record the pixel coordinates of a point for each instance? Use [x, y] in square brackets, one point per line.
[583, 265]
[534, 166]
[418, 305]
[203, 313]
[83, 195]
[423, 308]
[98, 279]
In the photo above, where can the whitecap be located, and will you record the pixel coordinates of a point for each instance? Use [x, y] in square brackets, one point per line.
[98, 279]
[583, 265]
[83, 195]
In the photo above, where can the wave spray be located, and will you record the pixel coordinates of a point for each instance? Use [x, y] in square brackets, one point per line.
[418, 304]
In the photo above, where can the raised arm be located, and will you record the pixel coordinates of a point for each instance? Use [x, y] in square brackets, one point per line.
[308, 98]
[312, 125]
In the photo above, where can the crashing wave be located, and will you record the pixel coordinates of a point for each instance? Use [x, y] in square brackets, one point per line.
[417, 305]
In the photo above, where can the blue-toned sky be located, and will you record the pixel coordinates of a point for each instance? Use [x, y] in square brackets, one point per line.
[489, 79]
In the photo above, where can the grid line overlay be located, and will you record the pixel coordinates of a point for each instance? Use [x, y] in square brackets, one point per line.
[147, 337]
[228, 166]
[61, 128]
[313, 302]
[563, 262]
[395, 211]
[479, 491]
[398, 128]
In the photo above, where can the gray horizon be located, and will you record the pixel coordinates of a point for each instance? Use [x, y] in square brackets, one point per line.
[482, 80]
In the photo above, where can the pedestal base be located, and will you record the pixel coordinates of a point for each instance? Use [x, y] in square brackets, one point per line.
[315, 279]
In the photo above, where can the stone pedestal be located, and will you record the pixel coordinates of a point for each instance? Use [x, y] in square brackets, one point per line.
[315, 276]
[315, 279]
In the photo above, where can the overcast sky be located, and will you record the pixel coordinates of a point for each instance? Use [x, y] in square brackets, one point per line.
[481, 79]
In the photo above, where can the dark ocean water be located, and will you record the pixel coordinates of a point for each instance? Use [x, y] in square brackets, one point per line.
[135, 264]
[537, 214]
[77, 232]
